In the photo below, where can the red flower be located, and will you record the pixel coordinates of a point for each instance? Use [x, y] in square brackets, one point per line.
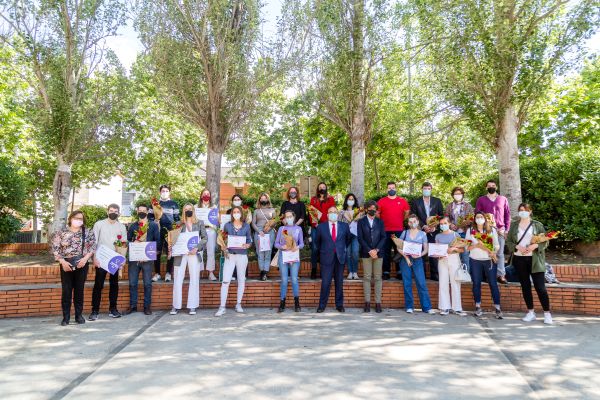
[285, 231]
[484, 236]
[119, 237]
[245, 207]
[141, 224]
[154, 202]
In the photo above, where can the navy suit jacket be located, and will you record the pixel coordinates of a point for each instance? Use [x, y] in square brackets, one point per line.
[371, 238]
[326, 246]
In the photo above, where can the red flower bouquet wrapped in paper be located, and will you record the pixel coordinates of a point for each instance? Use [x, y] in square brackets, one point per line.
[120, 245]
[157, 209]
[485, 241]
[545, 237]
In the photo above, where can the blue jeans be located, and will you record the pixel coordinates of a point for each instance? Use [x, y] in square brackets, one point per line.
[352, 255]
[407, 273]
[264, 257]
[478, 269]
[464, 257]
[283, 270]
[314, 252]
[134, 275]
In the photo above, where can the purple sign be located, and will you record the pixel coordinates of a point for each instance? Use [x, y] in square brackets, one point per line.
[213, 216]
[193, 242]
[151, 250]
[115, 264]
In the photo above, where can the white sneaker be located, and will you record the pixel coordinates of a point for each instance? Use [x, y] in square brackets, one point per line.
[350, 276]
[431, 311]
[173, 311]
[444, 312]
[356, 275]
[530, 316]
[460, 313]
[212, 277]
[410, 310]
[233, 278]
[238, 308]
[168, 277]
[220, 312]
[548, 318]
[192, 311]
[156, 277]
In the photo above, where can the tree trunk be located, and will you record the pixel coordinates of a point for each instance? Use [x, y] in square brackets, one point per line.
[357, 183]
[61, 189]
[507, 151]
[213, 173]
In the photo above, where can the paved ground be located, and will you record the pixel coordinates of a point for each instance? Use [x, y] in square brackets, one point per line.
[300, 356]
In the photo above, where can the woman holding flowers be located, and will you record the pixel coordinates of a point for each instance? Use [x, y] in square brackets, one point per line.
[482, 258]
[263, 223]
[527, 242]
[350, 214]
[289, 238]
[211, 235]
[317, 213]
[460, 213]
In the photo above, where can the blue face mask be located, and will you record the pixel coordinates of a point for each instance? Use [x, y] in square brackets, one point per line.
[391, 192]
[290, 221]
[333, 217]
[444, 227]
[427, 192]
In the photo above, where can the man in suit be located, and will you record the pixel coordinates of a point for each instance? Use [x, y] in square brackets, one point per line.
[332, 239]
[425, 207]
[371, 240]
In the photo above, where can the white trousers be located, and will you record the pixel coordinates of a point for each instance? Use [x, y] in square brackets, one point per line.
[193, 264]
[447, 271]
[239, 261]
[211, 244]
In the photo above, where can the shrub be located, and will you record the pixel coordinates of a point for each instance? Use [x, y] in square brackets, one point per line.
[93, 214]
[9, 226]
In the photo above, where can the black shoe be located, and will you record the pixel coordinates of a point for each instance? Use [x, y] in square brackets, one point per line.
[386, 276]
[93, 316]
[502, 280]
[131, 310]
[297, 304]
[367, 307]
[281, 306]
[262, 274]
[399, 277]
[79, 319]
[114, 314]
[265, 276]
[64, 322]
[313, 273]
[377, 307]
[320, 310]
[147, 311]
[341, 309]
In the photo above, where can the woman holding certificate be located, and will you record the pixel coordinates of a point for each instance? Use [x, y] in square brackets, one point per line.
[263, 222]
[211, 234]
[289, 240]
[414, 248]
[447, 266]
[239, 239]
[187, 251]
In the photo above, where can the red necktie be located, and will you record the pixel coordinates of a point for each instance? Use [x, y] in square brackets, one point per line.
[333, 234]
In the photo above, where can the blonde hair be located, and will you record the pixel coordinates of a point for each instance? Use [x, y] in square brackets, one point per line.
[193, 217]
[263, 194]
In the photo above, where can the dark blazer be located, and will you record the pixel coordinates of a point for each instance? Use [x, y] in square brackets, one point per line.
[417, 207]
[371, 238]
[326, 246]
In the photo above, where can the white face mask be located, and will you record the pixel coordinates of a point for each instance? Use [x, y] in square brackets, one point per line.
[290, 221]
[480, 221]
[164, 195]
[237, 203]
[414, 225]
[350, 203]
[237, 216]
[458, 197]
[524, 214]
[77, 223]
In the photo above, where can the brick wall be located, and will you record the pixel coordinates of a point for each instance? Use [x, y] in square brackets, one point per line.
[23, 248]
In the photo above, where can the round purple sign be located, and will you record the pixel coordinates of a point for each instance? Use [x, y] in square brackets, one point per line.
[193, 242]
[213, 216]
[151, 250]
[115, 264]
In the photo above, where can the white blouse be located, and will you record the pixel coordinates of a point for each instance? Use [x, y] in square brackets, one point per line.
[526, 241]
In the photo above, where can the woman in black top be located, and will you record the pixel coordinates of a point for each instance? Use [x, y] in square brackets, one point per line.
[295, 205]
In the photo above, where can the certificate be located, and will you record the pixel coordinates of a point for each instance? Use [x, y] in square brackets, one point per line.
[354, 228]
[210, 216]
[412, 249]
[235, 242]
[186, 241]
[290, 256]
[264, 242]
[438, 250]
[225, 218]
[109, 259]
[142, 251]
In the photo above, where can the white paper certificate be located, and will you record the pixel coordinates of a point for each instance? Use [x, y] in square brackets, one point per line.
[142, 251]
[264, 242]
[186, 241]
[412, 249]
[210, 216]
[235, 242]
[290, 256]
[109, 259]
[225, 218]
[438, 250]
[354, 228]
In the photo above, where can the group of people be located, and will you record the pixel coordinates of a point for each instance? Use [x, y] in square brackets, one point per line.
[338, 238]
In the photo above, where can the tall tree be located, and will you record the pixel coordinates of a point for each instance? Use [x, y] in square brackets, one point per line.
[494, 59]
[212, 63]
[77, 82]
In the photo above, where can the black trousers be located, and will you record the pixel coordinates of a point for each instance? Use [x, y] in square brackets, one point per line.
[162, 244]
[113, 293]
[523, 267]
[72, 290]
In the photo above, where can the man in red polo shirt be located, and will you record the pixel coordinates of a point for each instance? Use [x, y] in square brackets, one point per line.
[322, 202]
[393, 210]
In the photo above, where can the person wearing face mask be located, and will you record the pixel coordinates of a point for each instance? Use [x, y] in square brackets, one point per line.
[322, 201]
[211, 235]
[498, 206]
[529, 259]
[107, 231]
[192, 260]
[238, 201]
[393, 211]
[262, 214]
[332, 240]
[425, 207]
[294, 204]
[152, 235]
[457, 209]
[235, 258]
[481, 261]
[170, 215]
[372, 238]
[447, 267]
[415, 235]
[295, 232]
[347, 215]
[73, 247]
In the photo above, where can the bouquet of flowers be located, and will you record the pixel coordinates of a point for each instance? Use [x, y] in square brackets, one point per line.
[460, 243]
[433, 221]
[120, 245]
[485, 242]
[544, 237]
[491, 220]
[273, 223]
[141, 233]
[359, 212]
[289, 240]
[247, 213]
[156, 208]
[400, 245]
[465, 221]
[173, 234]
[222, 241]
[314, 214]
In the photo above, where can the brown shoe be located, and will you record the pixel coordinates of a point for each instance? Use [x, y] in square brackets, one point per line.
[148, 311]
[367, 307]
[131, 310]
[502, 280]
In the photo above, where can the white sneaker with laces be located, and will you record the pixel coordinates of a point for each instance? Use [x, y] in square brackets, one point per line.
[409, 310]
[220, 312]
[444, 312]
[529, 317]
[350, 276]
[212, 277]
[548, 318]
[168, 277]
[431, 311]
[356, 275]
[192, 311]
[173, 311]
[238, 308]
[156, 278]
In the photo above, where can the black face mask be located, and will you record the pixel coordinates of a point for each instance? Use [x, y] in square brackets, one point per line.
[263, 203]
[189, 213]
[491, 190]
[142, 215]
[372, 212]
[323, 191]
[293, 195]
[113, 216]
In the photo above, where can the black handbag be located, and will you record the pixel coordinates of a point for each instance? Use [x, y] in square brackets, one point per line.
[73, 261]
